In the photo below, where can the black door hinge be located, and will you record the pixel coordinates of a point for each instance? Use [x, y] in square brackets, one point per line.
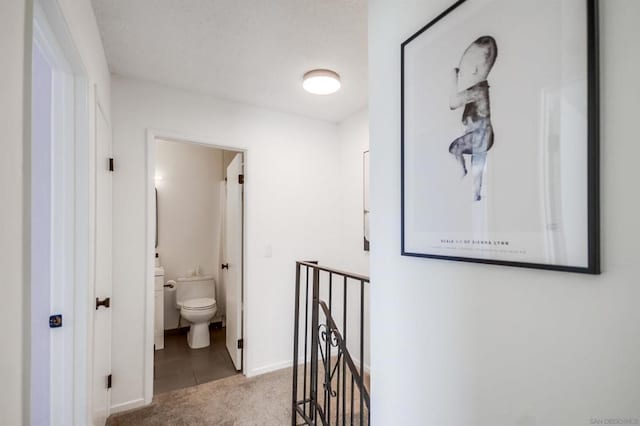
[111, 166]
[109, 381]
[240, 343]
[241, 179]
[104, 302]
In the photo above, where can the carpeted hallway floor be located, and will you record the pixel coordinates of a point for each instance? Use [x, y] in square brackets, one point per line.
[234, 401]
[237, 400]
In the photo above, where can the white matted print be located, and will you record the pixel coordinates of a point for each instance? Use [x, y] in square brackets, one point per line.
[499, 135]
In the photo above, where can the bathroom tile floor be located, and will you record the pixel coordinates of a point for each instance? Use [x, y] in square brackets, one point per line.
[177, 366]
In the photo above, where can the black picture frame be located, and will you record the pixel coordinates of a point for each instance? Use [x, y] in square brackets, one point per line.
[593, 152]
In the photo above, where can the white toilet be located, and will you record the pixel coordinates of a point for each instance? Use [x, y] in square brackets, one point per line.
[195, 297]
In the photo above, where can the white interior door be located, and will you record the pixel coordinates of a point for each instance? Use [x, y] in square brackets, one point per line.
[103, 271]
[233, 253]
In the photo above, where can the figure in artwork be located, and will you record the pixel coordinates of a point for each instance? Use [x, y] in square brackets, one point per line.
[470, 89]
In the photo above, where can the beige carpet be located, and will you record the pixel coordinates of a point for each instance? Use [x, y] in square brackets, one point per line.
[237, 400]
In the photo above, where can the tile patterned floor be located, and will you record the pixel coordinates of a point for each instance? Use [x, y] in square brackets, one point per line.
[177, 366]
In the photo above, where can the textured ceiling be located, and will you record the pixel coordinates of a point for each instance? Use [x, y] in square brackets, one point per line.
[253, 51]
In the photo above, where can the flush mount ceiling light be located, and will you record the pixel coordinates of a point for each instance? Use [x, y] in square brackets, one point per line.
[321, 82]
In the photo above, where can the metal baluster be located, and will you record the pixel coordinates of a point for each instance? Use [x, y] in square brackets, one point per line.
[306, 328]
[327, 410]
[330, 293]
[296, 327]
[338, 394]
[352, 386]
[344, 370]
[361, 346]
[314, 343]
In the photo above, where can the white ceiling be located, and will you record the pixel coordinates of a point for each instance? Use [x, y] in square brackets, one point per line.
[253, 51]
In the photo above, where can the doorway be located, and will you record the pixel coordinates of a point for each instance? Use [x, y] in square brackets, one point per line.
[196, 245]
[59, 224]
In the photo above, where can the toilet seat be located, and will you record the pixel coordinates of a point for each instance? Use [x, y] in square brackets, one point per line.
[198, 312]
[200, 304]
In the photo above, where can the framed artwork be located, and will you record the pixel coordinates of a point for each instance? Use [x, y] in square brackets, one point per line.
[500, 123]
[365, 199]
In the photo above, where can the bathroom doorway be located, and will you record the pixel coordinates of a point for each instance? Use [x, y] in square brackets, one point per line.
[196, 228]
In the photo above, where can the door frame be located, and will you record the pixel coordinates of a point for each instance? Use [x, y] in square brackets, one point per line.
[97, 163]
[69, 367]
[152, 136]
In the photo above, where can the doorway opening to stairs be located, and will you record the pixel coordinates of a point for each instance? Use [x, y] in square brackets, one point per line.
[195, 251]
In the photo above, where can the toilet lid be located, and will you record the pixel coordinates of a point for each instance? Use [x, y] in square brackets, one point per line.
[199, 304]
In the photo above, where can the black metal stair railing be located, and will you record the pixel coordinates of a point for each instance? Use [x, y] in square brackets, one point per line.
[326, 361]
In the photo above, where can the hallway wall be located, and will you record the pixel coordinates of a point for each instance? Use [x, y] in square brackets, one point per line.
[15, 46]
[291, 198]
[353, 137]
[13, 123]
[491, 345]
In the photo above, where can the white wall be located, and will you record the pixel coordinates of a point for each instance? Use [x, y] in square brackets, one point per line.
[15, 48]
[82, 25]
[189, 219]
[353, 138]
[465, 344]
[13, 123]
[291, 198]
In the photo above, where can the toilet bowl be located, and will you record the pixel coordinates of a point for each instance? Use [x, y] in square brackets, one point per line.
[195, 298]
[199, 313]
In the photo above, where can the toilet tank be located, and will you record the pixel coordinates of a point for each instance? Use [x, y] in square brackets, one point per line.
[195, 287]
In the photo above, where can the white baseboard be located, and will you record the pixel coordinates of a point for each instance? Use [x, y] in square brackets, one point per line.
[129, 405]
[272, 367]
[268, 368]
[287, 364]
